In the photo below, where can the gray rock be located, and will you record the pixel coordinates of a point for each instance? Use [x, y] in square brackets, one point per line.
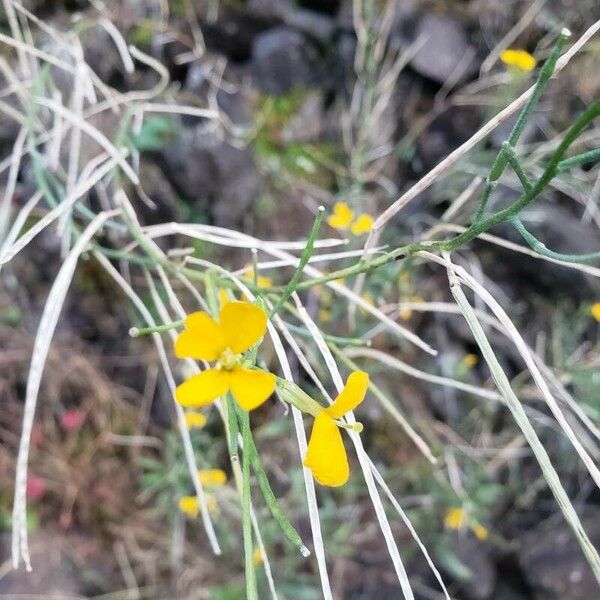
[283, 59]
[218, 178]
[312, 23]
[473, 554]
[553, 564]
[445, 49]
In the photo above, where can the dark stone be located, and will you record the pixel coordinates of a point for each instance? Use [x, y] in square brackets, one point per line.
[234, 33]
[552, 561]
[283, 59]
[220, 179]
[314, 24]
[473, 554]
[446, 46]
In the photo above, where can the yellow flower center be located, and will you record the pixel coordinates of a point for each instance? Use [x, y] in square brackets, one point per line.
[228, 359]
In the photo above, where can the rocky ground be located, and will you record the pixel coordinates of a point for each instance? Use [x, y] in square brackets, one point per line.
[282, 75]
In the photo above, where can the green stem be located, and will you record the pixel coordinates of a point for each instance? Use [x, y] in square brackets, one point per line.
[579, 159]
[251, 592]
[540, 247]
[502, 157]
[137, 331]
[274, 507]
[304, 258]
[551, 170]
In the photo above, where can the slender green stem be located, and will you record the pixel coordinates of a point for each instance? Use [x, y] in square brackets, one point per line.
[137, 331]
[234, 428]
[513, 161]
[541, 248]
[265, 487]
[508, 213]
[251, 592]
[304, 258]
[502, 158]
[579, 159]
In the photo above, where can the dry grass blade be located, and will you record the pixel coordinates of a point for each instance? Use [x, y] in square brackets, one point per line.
[43, 338]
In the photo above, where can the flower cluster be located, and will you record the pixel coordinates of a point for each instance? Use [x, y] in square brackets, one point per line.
[457, 518]
[240, 327]
[342, 219]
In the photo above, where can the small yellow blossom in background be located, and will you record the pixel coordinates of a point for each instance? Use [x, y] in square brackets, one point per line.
[481, 533]
[595, 310]
[326, 455]
[261, 280]
[470, 360]
[325, 315]
[194, 420]
[405, 313]
[212, 477]
[521, 59]
[257, 557]
[190, 506]
[341, 217]
[455, 518]
[363, 224]
[240, 326]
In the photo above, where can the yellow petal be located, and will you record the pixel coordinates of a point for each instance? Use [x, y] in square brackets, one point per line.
[351, 396]
[212, 477]
[203, 388]
[455, 518]
[518, 58]
[223, 296]
[481, 533]
[243, 324]
[363, 224]
[195, 420]
[595, 310]
[251, 388]
[326, 455]
[341, 217]
[189, 506]
[202, 338]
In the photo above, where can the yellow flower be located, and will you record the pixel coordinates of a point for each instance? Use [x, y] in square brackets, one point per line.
[190, 506]
[342, 216]
[481, 533]
[212, 477]
[325, 315]
[521, 59]
[595, 310]
[240, 326]
[405, 313]
[455, 518]
[195, 420]
[326, 455]
[470, 360]
[257, 557]
[261, 281]
[362, 224]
